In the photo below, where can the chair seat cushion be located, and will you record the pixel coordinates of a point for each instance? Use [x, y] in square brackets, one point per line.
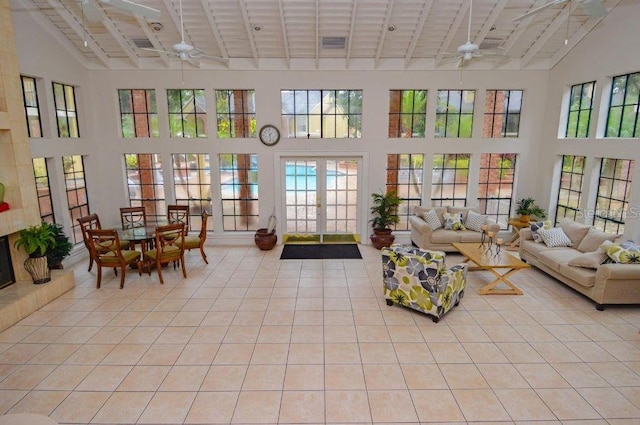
[169, 252]
[112, 258]
[190, 242]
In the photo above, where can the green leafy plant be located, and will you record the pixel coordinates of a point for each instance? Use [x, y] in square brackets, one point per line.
[60, 249]
[385, 210]
[527, 206]
[36, 240]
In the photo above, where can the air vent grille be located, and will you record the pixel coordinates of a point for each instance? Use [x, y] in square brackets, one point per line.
[491, 43]
[142, 43]
[333, 42]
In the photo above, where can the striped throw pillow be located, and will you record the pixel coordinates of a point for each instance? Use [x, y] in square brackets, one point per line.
[431, 217]
[554, 237]
[475, 221]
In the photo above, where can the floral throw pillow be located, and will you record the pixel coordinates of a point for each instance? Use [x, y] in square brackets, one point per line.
[453, 222]
[621, 255]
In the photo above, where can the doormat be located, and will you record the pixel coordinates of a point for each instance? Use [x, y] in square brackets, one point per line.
[319, 252]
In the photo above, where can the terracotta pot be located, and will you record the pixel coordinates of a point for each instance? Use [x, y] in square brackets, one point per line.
[382, 238]
[265, 240]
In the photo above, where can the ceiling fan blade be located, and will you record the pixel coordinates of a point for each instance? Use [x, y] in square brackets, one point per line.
[135, 8]
[593, 8]
[91, 11]
[211, 57]
[166, 52]
[537, 10]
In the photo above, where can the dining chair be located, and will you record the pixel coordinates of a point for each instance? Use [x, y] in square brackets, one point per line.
[166, 250]
[106, 250]
[133, 217]
[178, 214]
[193, 242]
[92, 222]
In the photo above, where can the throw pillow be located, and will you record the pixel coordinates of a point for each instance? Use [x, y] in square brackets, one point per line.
[589, 260]
[554, 237]
[621, 255]
[594, 238]
[534, 231]
[630, 245]
[453, 222]
[575, 231]
[475, 221]
[431, 217]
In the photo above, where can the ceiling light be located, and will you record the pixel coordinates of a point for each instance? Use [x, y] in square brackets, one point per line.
[392, 28]
[156, 26]
[257, 27]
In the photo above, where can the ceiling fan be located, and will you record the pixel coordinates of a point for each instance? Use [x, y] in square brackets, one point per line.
[593, 8]
[185, 51]
[93, 13]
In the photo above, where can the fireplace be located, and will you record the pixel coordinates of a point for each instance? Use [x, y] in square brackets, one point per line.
[7, 276]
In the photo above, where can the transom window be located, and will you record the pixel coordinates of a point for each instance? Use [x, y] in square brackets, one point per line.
[236, 112]
[570, 189]
[454, 113]
[612, 201]
[64, 99]
[405, 177]
[145, 183]
[495, 191]
[187, 113]
[580, 107]
[138, 113]
[31, 106]
[192, 182]
[622, 120]
[502, 113]
[239, 191]
[41, 174]
[315, 114]
[450, 178]
[76, 188]
[407, 113]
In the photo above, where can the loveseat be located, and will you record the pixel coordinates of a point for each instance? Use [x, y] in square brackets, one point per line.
[584, 266]
[434, 236]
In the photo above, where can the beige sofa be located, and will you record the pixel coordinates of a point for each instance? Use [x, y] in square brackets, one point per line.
[606, 284]
[441, 239]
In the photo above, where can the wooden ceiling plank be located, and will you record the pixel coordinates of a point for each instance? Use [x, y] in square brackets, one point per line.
[383, 32]
[491, 20]
[424, 14]
[153, 38]
[460, 19]
[285, 38]
[546, 35]
[247, 27]
[214, 28]
[351, 30]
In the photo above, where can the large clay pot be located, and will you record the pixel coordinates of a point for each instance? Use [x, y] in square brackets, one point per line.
[265, 240]
[382, 238]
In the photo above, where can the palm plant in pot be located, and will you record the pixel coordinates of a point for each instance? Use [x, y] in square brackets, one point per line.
[35, 241]
[385, 215]
[526, 207]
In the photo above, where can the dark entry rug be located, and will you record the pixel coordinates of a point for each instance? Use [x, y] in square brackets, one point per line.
[319, 252]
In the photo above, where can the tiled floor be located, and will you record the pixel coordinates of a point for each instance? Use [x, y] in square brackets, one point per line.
[253, 339]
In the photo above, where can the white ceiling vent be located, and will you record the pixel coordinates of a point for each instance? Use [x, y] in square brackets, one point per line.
[142, 43]
[333, 42]
[491, 43]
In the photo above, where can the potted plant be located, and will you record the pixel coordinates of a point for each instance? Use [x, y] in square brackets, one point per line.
[385, 215]
[526, 207]
[60, 249]
[35, 241]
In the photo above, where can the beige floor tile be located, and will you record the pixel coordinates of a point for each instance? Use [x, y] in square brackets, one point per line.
[126, 354]
[555, 352]
[445, 352]
[616, 374]
[306, 354]
[143, 335]
[470, 333]
[91, 354]
[224, 378]
[392, 406]
[567, 404]
[123, 408]
[342, 353]
[590, 352]
[144, 378]
[45, 335]
[9, 398]
[621, 350]
[79, 335]
[270, 354]
[378, 352]
[502, 376]
[80, 407]
[38, 402]
[419, 376]
[208, 334]
[519, 352]
[307, 334]
[104, 378]
[524, 404]
[484, 352]
[247, 318]
[274, 334]
[384, 377]
[257, 407]
[302, 407]
[162, 354]
[26, 377]
[234, 354]
[212, 408]
[580, 375]
[110, 335]
[344, 377]
[308, 318]
[184, 378]
[65, 377]
[198, 354]
[463, 376]
[609, 403]
[20, 353]
[480, 405]
[54, 354]
[405, 333]
[264, 377]
[436, 406]
[370, 333]
[304, 377]
[176, 335]
[347, 407]
[167, 408]
[432, 333]
[541, 375]
[278, 318]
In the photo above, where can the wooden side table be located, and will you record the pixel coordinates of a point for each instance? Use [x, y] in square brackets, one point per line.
[516, 224]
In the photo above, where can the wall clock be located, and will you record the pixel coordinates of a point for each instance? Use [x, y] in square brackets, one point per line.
[269, 135]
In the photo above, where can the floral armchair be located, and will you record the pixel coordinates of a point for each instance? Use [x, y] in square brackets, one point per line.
[419, 279]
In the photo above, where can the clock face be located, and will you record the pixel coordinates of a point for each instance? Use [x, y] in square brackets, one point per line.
[269, 135]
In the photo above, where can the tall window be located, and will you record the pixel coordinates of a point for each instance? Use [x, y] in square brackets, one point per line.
[239, 191]
[580, 107]
[450, 177]
[31, 106]
[407, 113]
[495, 190]
[64, 98]
[622, 120]
[317, 114]
[41, 174]
[236, 111]
[454, 113]
[192, 178]
[76, 187]
[145, 183]
[570, 188]
[502, 113]
[404, 176]
[612, 201]
[187, 113]
[138, 113]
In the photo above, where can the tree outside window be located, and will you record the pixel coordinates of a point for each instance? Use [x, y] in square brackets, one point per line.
[454, 113]
[236, 112]
[187, 113]
[407, 113]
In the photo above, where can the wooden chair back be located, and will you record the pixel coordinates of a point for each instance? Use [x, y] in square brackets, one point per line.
[178, 214]
[133, 217]
[89, 222]
[106, 251]
[168, 248]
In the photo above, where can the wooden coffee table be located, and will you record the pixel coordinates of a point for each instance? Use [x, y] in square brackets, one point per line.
[484, 260]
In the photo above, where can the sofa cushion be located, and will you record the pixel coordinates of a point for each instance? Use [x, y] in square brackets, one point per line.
[453, 221]
[463, 211]
[553, 257]
[444, 236]
[470, 236]
[583, 276]
[431, 217]
[418, 210]
[621, 255]
[590, 260]
[575, 231]
[555, 237]
[594, 238]
[475, 221]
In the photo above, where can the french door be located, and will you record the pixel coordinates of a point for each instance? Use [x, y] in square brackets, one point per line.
[321, 199]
